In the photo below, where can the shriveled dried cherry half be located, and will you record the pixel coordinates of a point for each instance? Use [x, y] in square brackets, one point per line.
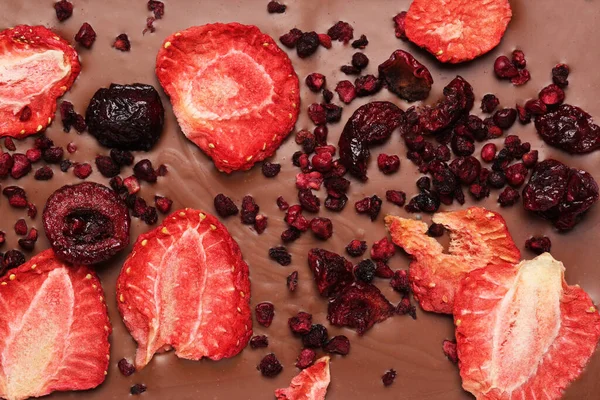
[86, 223]
[457, 102]
[126, 117]
[569, 128]
[405, 76]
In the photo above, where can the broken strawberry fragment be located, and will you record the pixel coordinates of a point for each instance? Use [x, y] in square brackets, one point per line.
[55, 328]
[311, 383]
[186, 286]
[39, 67]
[458, 30]
[523, 332]
[478, 238]
[240, 107]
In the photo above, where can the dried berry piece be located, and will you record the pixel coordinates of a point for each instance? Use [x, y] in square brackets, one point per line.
[521, 79]
[331, 271]
[301, 323]
[516, 174]
[350, 70]
[270, 170]
[388, 164]
[566, 323]
[321, 227]
[370, 206]
[504, 68]
[295, 219]
[163, 204]
[364, 271]
[282, 204]
[508, 197]
[435, 274]
[458, 100]
[360, 60]
[361, 42]
[21, 166]
[70, 118]
[539, 244]
[382, 250]
[569, 128]
[292, 281]
[16, 196]
[552, 96]
[396, 196]
[489, 102]
[488, 152]
[370, 124]
[275, 7]
[458, 31]
[259, 342]
[505, 118]
[356, 248]
[86, 36]
[86, 223]
[389, 377]
[465, 169]
[107, 166]
[264, 313]
[311, 383]
[449, 348]
[306, 358]
[560, 73]
[260, 223]
[291, 38]
[249, 210]
[346, 91]
[281, 255]
[405, 76]
[138, 388]
[126, 117]
[316, 337]
[217, 281]
[122, 42]
[400, 282]
[315, 82]
[518, 59]
[126, 367]
[63, 9]
[270, 366]
[44, 174]
[307, 44]
[341, 31]
[338, 345]
[267, 88]
[81, 171]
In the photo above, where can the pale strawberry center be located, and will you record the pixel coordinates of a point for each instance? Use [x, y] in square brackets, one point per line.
[230, 86]
[528, 323]
[25, 76]
[34, 350]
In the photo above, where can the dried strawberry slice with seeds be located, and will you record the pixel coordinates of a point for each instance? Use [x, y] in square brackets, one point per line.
[310, 384]
[478, 237]
[185, 286]
[39, 67]
[458, 30]
[54, 328]
[523, 332]
[234, 91]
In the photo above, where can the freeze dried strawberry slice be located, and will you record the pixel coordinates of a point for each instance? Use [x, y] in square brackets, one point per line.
[185, 286]
[36, 67]
[457, 30]
[523, 333]
[54, 328]
[478, 238]
[310, 384]
[234, 91]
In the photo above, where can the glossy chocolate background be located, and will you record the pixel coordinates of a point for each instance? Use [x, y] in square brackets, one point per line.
[549, 32]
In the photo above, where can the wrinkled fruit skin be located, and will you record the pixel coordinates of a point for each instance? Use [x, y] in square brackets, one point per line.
[331, 271]
[86, 223]
[559, 193]
[359, 306]
[458, 100]
[405, 76]
[126, 117]
[569, 128]
[372, 123]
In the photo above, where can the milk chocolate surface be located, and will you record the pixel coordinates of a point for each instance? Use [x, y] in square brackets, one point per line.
[549, 32]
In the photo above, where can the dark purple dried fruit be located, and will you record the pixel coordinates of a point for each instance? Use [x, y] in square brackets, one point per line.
[107, 166]
[338, 345]
[570, 129]
[63, 9]
[370, 206]
[270, 366]
[489, 102]
[457, 102]
[275, 7]
[331, 271]
[292, 281]
[316, 337]
[264, 313]
[365, 271]
[307, 44]
[341, 31]
[126, 367]
[361, 42]
[322, 228]
[281, 255]
[86, 36]
[405, 76]
[397, 197]
[291, 38]
[539, 244]
[356, 248]
[138, 388]
[389, 377]
[360, 60]
[259, 342]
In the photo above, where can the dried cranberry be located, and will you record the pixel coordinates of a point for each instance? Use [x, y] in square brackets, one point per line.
[341, 31]
[327, 95]
[436, 230]
[361, 42]
[405, 307]
[505, 118]
[163, 204]
[370, 124]
[122, 157]
[383, 270]
[282, 204]
[523, 115]
[315, 81]
[479, 191]
[338, 345]
[346, 90]
[466, 169]
[536, 107]
[388, 164]
[107, 166]
[86, 36]
[522, 78]
[249, 210]
[270, 366]
[560, 73]
[508, 197]
[44, 174]
[400, 282]
[316, 337]
[322, 162]
[312, 180]
[360, 60]
[6, 164]
[488, 152]
[570, 129]
[144, 171]
[149, 216]
[281, 255]
[259, 342]
[382, 250]
[349, 70]
[320, 133]
[399, 22]
[496, 179]
[405, 76]
[449, 348]
[132, 184]
[290, 234]
[365, 271]
[138, 388]
[389, 377]
[356, 248]
[28, 244]
[425, 201]
[322, 228]
[295, 219]
[530, 159]
[292, 281]
[291, 38]
[307, 44]
[63, 9]
[21, 166]
[270, 170]
[367, 85]
[462, 145]
[516, 174]
[16, 196]
[317, 114]
[308, 200]
[370, 206]
[396, 196]
[336, 203]
[518, 59]
[306, 358]
[9, 144]
[552, 95]
[264, 313]
[301, 323]
[489, 102]
[21, 227]
[504, 68]
[274, 7]
[260, 223]
[122, 42]
[539, 244]
[442, 153]
[126, 367]
[71, 148]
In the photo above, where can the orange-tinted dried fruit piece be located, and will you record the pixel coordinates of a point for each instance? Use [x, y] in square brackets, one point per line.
[523, 333]
[478, 237]
[54, 327]
[457, 30]
[185, 286]
[234, 91]
[38, 67]
[310, 384]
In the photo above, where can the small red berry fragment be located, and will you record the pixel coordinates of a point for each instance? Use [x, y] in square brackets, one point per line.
[163, 204]
[249, 210]
[107, 167]
[259, 342]
[321, 227]
[126, 367]
[274, 7]
[370, 206]
[301, 323]
[346, 90]
[552, 96]
[21, 227]
[157, 8]
[281, 255]
[518, 59]
[292, 281]
[86, 36]
[282, 204]
[63, 9]
[341, 31]
[338, 345]
[488, 152]
[361, 42]
[459, 30]
[539, 245]
[364, 271]
[356, 248]
[399, 25]
[270, 170]
[315, 81]
[521, 79]
[9, 144]
[270, 366]
[504, 68]
[331, 271]
[316, 337]
[138, 388]
[306, 358]
[43, 174]
[388, 164]
[405, 76]
[291, 38]
[449, 347]
[308, 44]
[389, 377]
[560, 73]
[260, 223]
[397, 197]
[508, 197]
[489, 102]
[122, 42]
[264, 313]
[224, 206]
[382, 250]
[400, 282]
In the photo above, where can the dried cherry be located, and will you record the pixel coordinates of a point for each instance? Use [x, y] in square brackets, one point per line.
[405, 76]
[331, 271]
[570, 129]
